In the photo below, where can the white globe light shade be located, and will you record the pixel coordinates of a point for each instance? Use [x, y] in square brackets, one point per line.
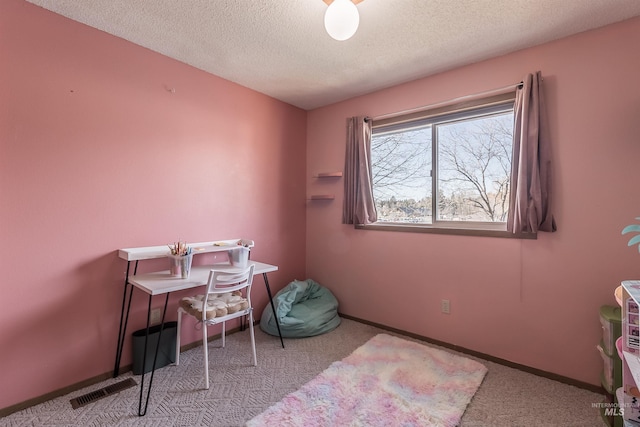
[341, 19]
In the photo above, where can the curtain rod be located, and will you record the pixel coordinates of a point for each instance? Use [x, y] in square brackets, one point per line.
[497, 91]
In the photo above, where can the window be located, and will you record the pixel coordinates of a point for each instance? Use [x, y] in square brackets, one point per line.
[446, 168]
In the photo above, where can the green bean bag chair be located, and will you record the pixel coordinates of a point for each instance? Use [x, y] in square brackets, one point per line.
[303, 308]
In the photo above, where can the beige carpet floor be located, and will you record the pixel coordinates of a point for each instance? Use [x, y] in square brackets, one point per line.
[239, 391]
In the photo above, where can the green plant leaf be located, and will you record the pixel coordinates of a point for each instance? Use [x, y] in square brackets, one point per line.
[634, 241]
[630, 228]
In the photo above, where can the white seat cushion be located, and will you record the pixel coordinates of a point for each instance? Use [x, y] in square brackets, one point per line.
[218, 305]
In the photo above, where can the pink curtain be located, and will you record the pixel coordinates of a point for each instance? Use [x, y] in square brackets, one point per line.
[530, 202]
[358, 205]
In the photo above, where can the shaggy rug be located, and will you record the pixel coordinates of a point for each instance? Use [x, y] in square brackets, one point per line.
[388, 381]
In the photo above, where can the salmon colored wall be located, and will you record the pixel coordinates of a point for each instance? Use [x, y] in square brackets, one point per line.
[97, 154]
[534, 302]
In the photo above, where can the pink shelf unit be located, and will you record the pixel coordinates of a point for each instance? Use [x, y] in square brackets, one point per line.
[325, 175]
[329, 175]
[322, 197]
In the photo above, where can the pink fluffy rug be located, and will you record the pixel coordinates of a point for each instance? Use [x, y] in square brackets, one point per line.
[388, 381]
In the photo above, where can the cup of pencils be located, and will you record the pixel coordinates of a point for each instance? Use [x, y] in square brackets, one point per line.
[180, 260]
[239, 256]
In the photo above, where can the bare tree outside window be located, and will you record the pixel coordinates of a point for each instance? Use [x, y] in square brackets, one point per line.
[474, 164]
[401, 169]
[471, 169]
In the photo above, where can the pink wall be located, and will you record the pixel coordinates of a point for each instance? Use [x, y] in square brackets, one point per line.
[96, 155]
[531, 302]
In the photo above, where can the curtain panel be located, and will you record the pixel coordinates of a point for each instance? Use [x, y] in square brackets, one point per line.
[358, 205]
[530, 201]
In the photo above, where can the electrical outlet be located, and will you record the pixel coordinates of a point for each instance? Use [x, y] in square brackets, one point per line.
[445, 306]
[156, 316]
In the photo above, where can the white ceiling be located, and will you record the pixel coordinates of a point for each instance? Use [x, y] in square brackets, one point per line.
[280, 47]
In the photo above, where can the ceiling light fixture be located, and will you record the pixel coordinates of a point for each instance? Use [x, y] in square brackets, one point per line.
[341, 18]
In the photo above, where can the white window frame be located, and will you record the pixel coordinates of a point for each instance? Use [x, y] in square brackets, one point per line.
[432, 117]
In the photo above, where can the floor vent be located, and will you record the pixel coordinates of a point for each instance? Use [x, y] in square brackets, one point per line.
[85, 399]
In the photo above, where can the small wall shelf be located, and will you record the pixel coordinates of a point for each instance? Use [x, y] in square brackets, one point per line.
[322, 197]
[329, 175]
[328, 178]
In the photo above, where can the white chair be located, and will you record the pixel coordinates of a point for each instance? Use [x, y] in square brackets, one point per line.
[223, 301]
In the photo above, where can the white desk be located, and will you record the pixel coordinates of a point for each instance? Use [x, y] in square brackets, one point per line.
[152, 252]
[161, 283]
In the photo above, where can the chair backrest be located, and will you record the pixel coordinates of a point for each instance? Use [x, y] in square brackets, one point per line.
[221, 281]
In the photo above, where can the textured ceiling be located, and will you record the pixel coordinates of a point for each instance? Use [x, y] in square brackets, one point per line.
[280, 47]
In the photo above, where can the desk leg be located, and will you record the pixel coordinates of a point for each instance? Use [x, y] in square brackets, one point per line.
[123, 321]
[266, 283]
[155, 357]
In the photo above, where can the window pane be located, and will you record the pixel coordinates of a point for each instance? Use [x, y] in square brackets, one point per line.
[474, 164]
[401, 167]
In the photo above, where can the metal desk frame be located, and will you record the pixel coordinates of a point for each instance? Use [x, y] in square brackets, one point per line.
[158, 283]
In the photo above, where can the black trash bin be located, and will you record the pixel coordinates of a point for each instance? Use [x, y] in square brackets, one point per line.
[166, 353]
